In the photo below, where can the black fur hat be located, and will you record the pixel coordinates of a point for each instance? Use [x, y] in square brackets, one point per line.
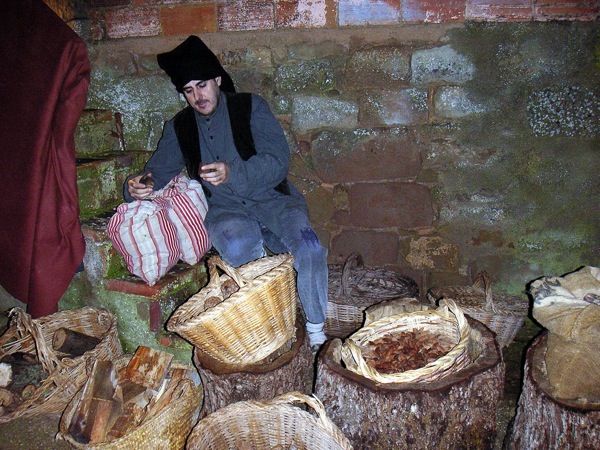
[193, 60]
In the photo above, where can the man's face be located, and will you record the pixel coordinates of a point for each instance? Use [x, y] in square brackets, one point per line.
[203, 95]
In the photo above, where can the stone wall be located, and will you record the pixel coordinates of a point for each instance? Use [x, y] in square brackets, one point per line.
[439, 138]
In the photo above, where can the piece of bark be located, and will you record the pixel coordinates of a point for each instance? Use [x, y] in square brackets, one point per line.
[99, 406]
[148, 367]
[72, 342]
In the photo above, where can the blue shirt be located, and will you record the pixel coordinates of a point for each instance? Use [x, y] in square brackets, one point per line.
[251, 183]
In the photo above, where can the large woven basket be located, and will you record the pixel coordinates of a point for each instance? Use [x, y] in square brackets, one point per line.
[268, 425]
[251, 323]
[447, 322]
[501, 313]
[167, 430]
[66, 375]
[353, 287]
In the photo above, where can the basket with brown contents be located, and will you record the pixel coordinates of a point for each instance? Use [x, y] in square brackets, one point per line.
[501, 313]
[243, 315]
[353, 287]
[420, 346]
[269, 425]
[63, 373]
[140, 401]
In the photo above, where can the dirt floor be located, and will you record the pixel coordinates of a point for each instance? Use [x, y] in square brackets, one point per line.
[38, 433]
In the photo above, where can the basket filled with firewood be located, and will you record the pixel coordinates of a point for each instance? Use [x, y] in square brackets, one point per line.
[420, 346]
[353, 287]
[242, 315]
[141, 401]
[43, 361]
[503, 314]
[269, 425]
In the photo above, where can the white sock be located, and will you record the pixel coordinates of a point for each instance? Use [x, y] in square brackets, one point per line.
[316, 334]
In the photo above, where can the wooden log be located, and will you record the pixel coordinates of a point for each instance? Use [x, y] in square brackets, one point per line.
[543, 421]
[223, 384]
[455, 412]
[135, 393]
[22, 370]
[130, 418]
[99, 406]
[72, 342]
[148, 367]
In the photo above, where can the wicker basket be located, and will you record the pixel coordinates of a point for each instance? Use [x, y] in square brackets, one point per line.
[503, 314]
[354, 287]
[167, 430]
[66, 375]
[447, 322]
[268, 425]
[250, 324]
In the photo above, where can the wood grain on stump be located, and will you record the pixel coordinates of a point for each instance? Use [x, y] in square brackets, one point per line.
[224, 384]
[544, 422]
[457, 411]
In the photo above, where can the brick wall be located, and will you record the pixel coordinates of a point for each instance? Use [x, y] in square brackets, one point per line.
[114, 19]
[436, 137]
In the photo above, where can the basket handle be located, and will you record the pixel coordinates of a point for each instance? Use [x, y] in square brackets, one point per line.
[215, 262]
[353, 261]
[483, 277]
[26, 326]
[312, 401]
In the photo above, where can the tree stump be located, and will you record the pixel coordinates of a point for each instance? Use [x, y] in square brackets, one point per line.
[223, 384]
[544, 422]
[457, 411]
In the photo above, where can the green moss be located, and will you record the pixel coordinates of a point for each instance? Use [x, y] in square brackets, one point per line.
[116, 267]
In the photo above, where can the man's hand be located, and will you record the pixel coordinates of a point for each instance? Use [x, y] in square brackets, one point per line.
[140, 187]
[215, 173]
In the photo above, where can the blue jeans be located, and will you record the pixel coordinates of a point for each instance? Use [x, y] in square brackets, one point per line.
[240, 238]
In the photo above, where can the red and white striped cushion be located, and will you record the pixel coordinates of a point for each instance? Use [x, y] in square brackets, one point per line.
[187, 212]
[143, 234]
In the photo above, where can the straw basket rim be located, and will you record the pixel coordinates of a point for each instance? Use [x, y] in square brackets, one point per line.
[502, 313]
[364, 295]
[448, 314]
[245, 411]
[479, 297]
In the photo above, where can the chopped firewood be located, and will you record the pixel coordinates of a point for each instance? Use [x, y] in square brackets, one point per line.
[131, 417]
[72, 342]
[135, 393]
[148, 367]
[100, 405]
[165, 394]
[28, 391]
[176, 374]
[24, 369]
[7, 397]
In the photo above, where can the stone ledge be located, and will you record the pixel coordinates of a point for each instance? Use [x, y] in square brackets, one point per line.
[180, 275]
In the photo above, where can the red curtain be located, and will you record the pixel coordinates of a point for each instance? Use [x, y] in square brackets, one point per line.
[44, 79]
